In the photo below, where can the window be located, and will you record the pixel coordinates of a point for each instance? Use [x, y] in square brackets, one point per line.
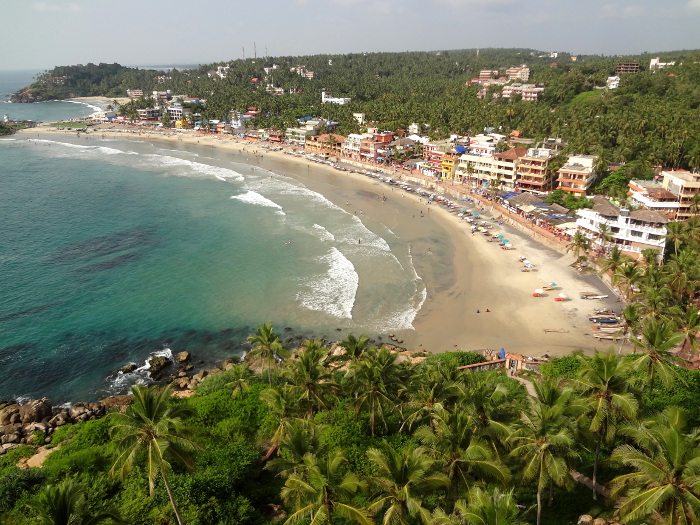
[635, 233]
[654, 237]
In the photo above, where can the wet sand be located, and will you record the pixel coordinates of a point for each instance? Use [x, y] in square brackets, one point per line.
[463, 273]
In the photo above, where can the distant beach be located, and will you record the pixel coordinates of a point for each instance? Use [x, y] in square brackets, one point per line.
[477, 296]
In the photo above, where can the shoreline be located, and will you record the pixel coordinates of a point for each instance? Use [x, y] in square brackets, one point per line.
[449, 259]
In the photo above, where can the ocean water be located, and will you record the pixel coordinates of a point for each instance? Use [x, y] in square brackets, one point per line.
[114, 250]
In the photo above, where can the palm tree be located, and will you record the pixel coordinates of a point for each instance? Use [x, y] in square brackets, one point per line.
[467, 457]
[490, 406]
[302, 437]
[377, 382]
[403, 478]
[604, 378]
[322, 491]
[675, 234]
[485, 508]
[354, 347]
[658, 338]
[615, 260]
[239, 379]
[688, 323]
[665, 481]
[312, 380]
[629, 276]
[604, 235]
[154, 426]
[266, 347]
[543, 443]
[579, 242]
[283, 403]
[433, 391]
[64, 504]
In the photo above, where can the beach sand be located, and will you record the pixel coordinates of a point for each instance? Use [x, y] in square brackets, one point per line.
[463, 273]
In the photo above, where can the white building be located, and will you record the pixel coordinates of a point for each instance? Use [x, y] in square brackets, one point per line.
[655, 64]
[528, 92]
[613, 82]
[632, 231]
[176, 111]
[333, 100]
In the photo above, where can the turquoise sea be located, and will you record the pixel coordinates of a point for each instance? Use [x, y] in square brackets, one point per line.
[114, 250]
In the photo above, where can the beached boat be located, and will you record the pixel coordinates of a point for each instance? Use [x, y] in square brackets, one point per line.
[604, 320]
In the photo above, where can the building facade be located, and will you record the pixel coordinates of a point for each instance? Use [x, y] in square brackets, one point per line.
[578, 174]
[533, 174]
[685, 185]
[631, 231]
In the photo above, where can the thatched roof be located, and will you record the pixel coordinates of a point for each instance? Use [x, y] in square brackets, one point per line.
[603, 206]
[648, 216]
[524, 199]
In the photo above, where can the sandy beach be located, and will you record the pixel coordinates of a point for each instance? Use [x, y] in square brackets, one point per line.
[477, 295]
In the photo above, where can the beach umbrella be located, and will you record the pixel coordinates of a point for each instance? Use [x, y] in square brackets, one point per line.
[499, 236]
[508, 245]
[539, 290]
[562, 295]
[552, 284]
[505, 240]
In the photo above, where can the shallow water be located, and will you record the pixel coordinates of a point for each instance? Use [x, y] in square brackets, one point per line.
[113, 250]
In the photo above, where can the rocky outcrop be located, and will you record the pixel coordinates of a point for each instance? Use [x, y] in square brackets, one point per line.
[26, 95]
[19, 424]
[182, 357]
[156, 367]
[36, 410]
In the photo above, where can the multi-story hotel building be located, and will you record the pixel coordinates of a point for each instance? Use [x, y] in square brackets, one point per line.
[632, 231]
[532, 170]
[578, 174]
[684, 185]
[480, 170]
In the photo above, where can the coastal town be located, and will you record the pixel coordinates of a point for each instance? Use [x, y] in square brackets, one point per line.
[509, 168]
[552, 358]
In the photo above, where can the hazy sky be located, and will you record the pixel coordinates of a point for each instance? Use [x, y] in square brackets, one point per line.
[40, 35]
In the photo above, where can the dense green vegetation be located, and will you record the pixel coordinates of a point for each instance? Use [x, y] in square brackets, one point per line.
[359, 437]
[110, 80]
[652, 117]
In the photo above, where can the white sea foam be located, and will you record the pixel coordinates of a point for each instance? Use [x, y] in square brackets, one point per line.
[94, 109]
[122, 382]
[334, 291]
[323, 233]
[197, 167]
[253, 197]
[149, 161]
